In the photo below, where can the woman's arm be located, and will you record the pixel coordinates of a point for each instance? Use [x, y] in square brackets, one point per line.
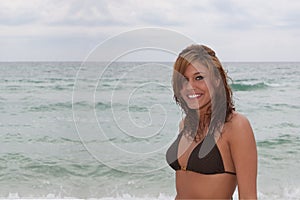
[244, 154]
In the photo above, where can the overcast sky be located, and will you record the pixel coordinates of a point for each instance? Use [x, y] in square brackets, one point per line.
[238, 30]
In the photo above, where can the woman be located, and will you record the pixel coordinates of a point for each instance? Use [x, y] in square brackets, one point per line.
[215, 150]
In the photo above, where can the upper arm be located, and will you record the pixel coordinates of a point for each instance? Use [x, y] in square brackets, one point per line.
[244, 155]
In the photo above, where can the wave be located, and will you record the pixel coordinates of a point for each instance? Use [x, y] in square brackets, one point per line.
[17, 137]
[15, 195]
[56, 87]
[83, 105]
[109, 105]
[51, 107]
[49, 140]
[281, 142]
[286, 193]
[48, 167]
[249, 86]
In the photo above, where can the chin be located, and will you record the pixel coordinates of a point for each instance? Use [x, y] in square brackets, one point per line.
[193, 107]
[197, 105]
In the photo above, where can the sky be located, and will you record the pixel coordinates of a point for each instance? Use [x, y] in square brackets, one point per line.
[68, 30]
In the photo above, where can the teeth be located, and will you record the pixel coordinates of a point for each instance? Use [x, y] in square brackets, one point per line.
[194, 96]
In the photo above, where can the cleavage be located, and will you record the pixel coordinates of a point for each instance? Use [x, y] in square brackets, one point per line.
[185, 147]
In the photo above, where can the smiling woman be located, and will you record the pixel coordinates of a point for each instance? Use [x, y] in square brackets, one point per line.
[201, 98]
[215, 150]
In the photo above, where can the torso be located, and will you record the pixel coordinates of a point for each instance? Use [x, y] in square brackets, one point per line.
[193, 185]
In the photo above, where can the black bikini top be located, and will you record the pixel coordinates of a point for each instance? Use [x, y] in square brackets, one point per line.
[210, 163]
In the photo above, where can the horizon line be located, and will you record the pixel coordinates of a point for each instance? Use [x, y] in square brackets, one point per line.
[146, 61]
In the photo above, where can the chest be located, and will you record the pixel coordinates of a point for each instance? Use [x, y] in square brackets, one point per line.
[207, 153]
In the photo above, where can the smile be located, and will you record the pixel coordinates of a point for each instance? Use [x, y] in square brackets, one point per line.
[192, 96]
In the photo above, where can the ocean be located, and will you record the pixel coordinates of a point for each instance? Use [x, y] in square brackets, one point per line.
[100, 131]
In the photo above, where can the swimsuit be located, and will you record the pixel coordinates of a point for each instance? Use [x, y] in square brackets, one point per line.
[210, 163]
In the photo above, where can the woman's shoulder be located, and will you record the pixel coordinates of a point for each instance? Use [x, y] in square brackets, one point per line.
[237, 127]
[238, 120]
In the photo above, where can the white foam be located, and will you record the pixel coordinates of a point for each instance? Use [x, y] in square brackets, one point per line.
[119, 197]
[286, 194]
[130, 197]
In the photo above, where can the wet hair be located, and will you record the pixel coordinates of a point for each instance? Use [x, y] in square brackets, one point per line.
[221, 105]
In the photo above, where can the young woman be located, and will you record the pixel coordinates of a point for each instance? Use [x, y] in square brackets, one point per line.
[215, 150]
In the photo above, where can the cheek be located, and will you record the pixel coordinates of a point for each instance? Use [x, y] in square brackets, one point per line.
[182, 91]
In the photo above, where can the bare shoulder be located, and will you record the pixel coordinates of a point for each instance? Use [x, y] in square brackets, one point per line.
[238, 128]
[238, 121]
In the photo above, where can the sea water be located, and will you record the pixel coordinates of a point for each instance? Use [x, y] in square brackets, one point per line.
[101, 130]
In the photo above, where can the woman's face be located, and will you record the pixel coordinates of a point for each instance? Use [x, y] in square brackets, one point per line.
[196, 88]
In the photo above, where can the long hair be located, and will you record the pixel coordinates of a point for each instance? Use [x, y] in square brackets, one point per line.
[221, 106]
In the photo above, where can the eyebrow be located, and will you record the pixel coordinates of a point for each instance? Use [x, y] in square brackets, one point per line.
[197, 73]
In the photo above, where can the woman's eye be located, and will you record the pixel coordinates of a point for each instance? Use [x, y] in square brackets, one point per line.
[199, 78]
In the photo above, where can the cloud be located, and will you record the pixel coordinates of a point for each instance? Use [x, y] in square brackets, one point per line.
[226, 24]
[269, 14]
[86, 13]
[13, 13]
[155, 13]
